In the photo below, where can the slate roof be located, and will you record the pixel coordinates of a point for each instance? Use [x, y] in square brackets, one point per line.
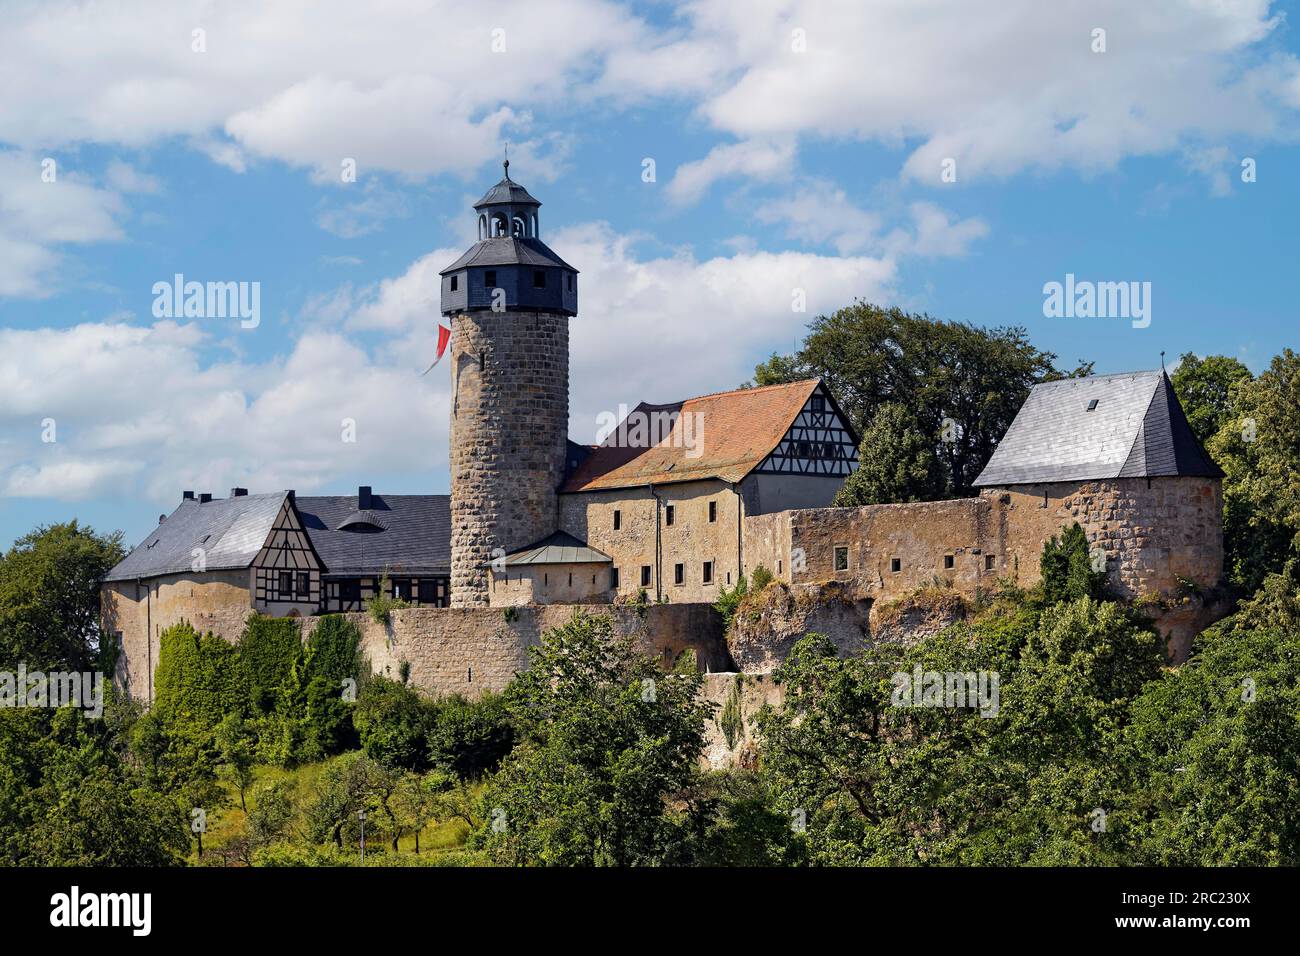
[1136, 430]
[231, 531]
[508, 251]
[415, 536]
[559, 548]
[740, 429]
[408, 534]
[507, 191]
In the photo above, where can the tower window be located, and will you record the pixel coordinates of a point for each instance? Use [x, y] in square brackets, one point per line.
[988, 562]
[570, 281]
[618, 519]
[539, 279]
[713, 511]
[842, 557]
[490, 278]
[948, 561]
[613, 579]
[668, 514]
[895, 565]
[708, 572]
[679, 574]
[455, 283]
[645, 575]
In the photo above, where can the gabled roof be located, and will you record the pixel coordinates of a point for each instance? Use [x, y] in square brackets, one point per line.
[558, 548]
[740, 429]
[1136, 429]
[508, 251]
[231, 531]
[408, 534]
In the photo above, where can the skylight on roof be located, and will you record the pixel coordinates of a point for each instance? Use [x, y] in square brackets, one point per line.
[1092, 405]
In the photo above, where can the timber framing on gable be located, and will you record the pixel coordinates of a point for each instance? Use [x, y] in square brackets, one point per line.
[819, 442]
[287, 570]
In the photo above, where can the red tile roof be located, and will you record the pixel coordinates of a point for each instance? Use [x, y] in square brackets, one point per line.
[729, 434]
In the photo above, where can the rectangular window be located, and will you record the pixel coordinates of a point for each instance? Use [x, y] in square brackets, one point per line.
[402, 590]
[618, 519]
[645, 575]
[286, 585]
[539, 279]
[570, 281]
[350, 591]
[490, 278]
[454, 283]
[668, 514]
[988, 562]
[304, 585]
[613, 579]
[895, 565]
[713, 511]
[708, 572]
[948, 562]
[679, 574]
[842, 558]
[819, 403]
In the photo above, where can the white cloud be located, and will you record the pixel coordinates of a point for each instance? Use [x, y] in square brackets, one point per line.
[1001, 87]
[753, 159]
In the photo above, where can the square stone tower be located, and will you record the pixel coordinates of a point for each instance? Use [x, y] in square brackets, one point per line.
[509, 299]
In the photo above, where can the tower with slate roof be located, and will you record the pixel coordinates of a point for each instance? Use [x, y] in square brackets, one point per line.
[508, 300]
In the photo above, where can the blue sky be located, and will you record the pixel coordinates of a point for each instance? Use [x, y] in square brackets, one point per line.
[795, 145]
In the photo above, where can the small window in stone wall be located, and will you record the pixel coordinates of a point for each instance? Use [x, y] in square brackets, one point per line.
[618, 519]
[895, 565]
[841, 557]
[679, 574]
[708, 572]
[613, 578]
[948, 562]
[645, 575]
[988, 562]
[713, 511]
[668, 514]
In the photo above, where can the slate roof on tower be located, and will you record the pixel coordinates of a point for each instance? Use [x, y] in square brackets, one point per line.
[1129, 425]
[741, 428]
[508, 251]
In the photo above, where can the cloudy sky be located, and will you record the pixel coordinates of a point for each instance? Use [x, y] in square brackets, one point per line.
[947, 156]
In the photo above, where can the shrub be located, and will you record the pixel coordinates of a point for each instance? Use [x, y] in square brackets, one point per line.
[470, 737]
[268, 650]
[1066, 567]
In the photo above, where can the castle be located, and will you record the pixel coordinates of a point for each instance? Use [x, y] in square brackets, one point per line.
[675, 504]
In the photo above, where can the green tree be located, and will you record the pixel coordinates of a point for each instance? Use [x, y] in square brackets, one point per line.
[1066, 567]
[470, 738]
[1258, 448]
[268, 650]
[393, 722]
[896, 462]
[236, 749]
[49, 597]
[1205, 389]
[977, 378]
[606, 734]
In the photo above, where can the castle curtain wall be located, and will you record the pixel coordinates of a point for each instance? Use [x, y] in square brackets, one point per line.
[216, 601]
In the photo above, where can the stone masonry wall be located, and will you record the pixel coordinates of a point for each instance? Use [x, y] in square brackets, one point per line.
[1153, 532]
[509, 422]
[219, 602]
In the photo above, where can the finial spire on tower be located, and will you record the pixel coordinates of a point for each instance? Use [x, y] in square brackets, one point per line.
[506, 165]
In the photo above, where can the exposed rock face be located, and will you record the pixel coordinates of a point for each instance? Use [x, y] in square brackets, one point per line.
[769, 623]
[917, 616]
[737, 698]
[509, 421]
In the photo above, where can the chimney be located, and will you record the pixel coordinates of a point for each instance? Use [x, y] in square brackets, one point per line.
[204, 498]
[363, 498]
[187, 496]
[238, 492]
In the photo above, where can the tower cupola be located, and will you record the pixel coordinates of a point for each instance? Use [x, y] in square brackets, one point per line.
[509, 267]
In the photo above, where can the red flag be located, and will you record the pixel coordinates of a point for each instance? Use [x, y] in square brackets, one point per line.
[444, 336]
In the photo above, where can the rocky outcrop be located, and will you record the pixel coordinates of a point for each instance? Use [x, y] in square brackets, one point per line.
[768, 623]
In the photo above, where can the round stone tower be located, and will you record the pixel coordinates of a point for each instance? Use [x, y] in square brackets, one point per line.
[509, 299]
